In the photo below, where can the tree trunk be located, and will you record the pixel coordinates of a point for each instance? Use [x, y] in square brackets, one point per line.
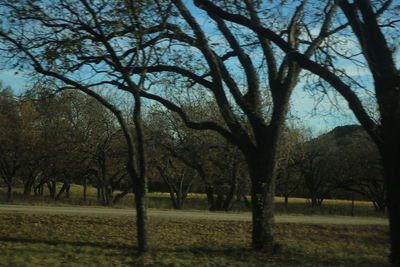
[99, 193]
[67, 191]
[63, 190]
[219, 201]
[229, 197]
[391, 161]
[232, 190]
[286, 200]
[314, 202]
[108, 194]
[39, 189]
[51, 185]
[262, 200]
[179, 198]
[172, 189]
[9, 192]
[119, 196]
[28, 186]
[380, 206]
[85, 189]
[247, 203]
[210, 197]
[173, 200]
[141, 218]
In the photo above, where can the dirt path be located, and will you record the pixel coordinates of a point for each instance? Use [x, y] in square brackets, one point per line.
[195, 215]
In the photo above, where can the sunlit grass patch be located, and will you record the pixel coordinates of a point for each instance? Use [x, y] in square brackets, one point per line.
[29, 240]
[196, 201]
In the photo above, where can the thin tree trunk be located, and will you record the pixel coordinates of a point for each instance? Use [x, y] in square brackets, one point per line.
[247, 203]
[67, 191]
[220, 201]
[109, 194]
[52, 189]
[9, 192]
[39, 189]
[171, 188]
[99, 194]
[232, 191]
[210, 197]
[85, 189]
[314, 201]
[119, 196]
[141, 218]
[228, 200]
[174, 200]
[62, 190]
[380, 206]
[28, 186]
[286, 200]
[179, 194]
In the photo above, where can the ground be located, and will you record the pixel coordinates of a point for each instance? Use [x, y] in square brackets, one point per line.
[70, 240]
[194, 215]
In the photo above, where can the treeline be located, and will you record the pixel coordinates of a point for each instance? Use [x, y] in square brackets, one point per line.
[69, 138]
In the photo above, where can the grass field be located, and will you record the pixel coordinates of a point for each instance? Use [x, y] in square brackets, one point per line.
[198, 202]
[29, 240]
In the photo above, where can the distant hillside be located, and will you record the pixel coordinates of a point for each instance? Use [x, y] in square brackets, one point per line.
[342, 135]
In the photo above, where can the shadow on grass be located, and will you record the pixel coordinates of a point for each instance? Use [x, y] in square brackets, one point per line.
[109, 249]
[288, 256]
[194, 250]
[70, 243]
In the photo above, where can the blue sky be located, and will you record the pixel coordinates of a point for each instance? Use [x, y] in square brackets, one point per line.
[16, 81]
[321, 118]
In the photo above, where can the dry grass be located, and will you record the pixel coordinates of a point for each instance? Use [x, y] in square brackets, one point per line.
[198, 202]
[28, 240]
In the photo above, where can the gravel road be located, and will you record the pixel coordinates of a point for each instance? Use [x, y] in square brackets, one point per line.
[195, 215]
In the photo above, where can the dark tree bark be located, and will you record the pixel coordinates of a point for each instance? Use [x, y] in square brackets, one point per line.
[64, 190]
[232, 191]
[119, 196]
[88, 19]
[52, 187]
[84, 189]
[38, 189]
[8, 172]
[177, 190]
[28, 185]
[258, 144]
[9, 196]
[210, 197]
[262, 204]
[391, 162]
[362, 18]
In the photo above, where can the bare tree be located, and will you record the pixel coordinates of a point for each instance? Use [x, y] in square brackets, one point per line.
[315, 160]
[11, 139]
[374, 27]
[238, 84]
[357, 167]
[89, 45]
[289, 167]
